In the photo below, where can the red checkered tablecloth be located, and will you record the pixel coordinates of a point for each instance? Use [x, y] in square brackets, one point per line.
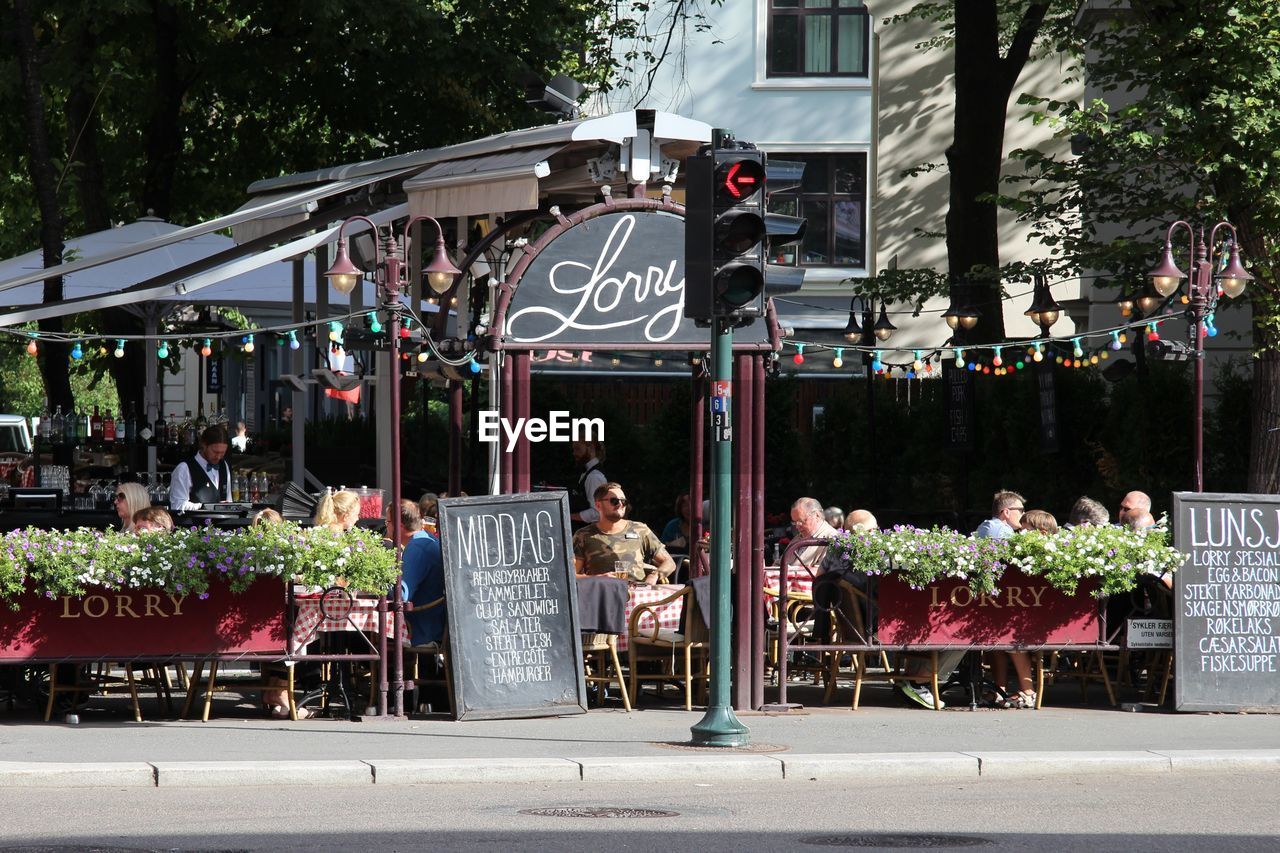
[339, 614]
[798, 580]
[668, 615]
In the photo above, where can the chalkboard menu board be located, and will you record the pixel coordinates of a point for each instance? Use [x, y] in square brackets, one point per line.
[515, 650]
[1227, 616]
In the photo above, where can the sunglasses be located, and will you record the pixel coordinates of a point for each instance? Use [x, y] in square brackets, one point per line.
[121, 497]
[616, 501]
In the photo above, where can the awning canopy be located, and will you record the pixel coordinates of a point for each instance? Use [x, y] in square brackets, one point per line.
[507, 181]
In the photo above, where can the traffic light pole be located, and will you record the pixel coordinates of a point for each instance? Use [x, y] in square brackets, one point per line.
[719, 726]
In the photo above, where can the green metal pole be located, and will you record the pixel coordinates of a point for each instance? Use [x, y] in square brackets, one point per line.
[719, 726]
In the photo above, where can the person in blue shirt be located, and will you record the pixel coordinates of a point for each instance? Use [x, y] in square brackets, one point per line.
[1007, 509]
[422, 577]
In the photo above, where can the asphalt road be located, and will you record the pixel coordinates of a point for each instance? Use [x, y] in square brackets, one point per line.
[1133, 814]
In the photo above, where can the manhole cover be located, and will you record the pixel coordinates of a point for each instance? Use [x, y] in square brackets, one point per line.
[598, 811]
[751, 747]
[905, 842]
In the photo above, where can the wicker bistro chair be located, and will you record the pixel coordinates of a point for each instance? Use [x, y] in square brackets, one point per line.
[602, 603]
[662, 644]
[848, 625]
[600, 651]
[797, 616]
[103, 680]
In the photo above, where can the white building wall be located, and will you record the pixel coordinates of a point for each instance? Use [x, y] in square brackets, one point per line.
[901, 115]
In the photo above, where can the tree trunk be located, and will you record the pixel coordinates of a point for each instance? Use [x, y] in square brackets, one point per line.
[984, 81]
[973, 161]
[163, 142]
[82, 137]
[129, 372]
[53, 365]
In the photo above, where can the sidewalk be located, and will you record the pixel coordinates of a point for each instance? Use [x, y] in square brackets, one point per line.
[877, 743]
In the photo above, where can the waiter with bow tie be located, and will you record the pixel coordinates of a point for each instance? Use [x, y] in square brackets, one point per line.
[205, 478]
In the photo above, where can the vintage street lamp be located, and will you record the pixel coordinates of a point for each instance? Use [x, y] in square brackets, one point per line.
[883, 329]
[391, 275]
[1166, 278]
[1044, 310]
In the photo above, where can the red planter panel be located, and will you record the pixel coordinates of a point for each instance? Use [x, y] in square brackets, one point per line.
[145, 623]
[1026, 611]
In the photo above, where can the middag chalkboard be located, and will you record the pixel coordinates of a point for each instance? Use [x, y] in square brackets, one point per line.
[1227, 613]
[515, 650]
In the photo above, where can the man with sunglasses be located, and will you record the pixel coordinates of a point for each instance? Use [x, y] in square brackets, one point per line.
[615, 543]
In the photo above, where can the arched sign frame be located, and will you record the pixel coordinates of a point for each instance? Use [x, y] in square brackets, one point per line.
[507, 304]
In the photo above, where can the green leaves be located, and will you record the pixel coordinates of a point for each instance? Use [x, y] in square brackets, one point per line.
[1115, 556]
[53, 563]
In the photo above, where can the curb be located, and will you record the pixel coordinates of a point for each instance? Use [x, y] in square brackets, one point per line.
[886, 767]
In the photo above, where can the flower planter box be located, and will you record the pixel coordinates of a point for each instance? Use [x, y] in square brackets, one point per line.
[121, 625]
[1026, 611]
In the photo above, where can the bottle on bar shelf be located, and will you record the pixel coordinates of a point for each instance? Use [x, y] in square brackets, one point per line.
[131, 425]
[45, 426]
[108, 429]
[56, 434]
[160, 432]
[95, 426]
[173, 430]
[82, 428]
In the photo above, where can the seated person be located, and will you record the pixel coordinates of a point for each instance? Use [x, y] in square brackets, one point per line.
[1087, 511]
[675, 536]
[1025, 696]
[338, 511]
[428, 507]
[131, 498]
[826, 586]
[615, 543]
[152, 519]
[834, 516]
[1140, 521]
[810, 523]
[422, 577]
[266, 516]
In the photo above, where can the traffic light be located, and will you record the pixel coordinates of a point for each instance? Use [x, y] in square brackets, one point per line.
[724, 232]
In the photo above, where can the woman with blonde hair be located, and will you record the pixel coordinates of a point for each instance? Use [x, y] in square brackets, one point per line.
[131, 498]
[338, 511]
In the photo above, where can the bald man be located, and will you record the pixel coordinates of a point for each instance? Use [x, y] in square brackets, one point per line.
[1132, 506]
[861, 519]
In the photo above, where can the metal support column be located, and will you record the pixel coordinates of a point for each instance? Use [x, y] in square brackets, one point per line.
[719, 726]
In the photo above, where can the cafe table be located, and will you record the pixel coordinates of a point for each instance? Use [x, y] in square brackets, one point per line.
[668, 615]
[320, 613]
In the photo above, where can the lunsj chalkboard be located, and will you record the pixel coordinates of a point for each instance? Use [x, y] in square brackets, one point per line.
[515, 650]
[1227, 615]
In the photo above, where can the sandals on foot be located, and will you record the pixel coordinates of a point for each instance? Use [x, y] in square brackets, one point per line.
[1024, 700]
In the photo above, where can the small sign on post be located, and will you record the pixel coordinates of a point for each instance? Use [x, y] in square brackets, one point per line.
[1149, 634]
[515, 650]
[722, 410]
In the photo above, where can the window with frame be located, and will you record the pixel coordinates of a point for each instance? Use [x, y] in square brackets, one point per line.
[818, 38]
[832, 195]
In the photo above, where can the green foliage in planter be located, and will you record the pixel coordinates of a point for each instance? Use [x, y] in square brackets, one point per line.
[54, 563]
[1116, 556]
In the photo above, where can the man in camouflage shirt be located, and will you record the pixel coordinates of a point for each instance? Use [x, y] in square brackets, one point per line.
[598, 548]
